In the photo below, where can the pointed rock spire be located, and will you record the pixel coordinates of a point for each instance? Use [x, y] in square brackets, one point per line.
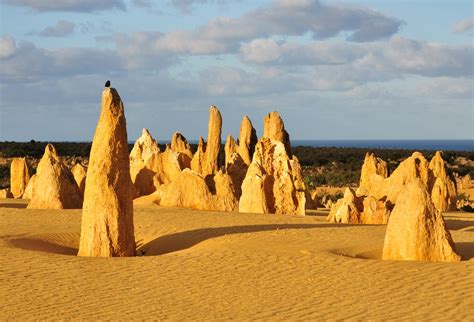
[274, 128]
[179, 144]
[54, 186]
[416, 230]
[247, 140]
[107, 216]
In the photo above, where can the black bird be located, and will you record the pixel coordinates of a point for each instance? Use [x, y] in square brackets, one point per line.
[107, 83]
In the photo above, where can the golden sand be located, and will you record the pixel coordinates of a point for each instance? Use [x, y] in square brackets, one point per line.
[214, 265]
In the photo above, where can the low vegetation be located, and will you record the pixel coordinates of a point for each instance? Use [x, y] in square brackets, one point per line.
[322, 166]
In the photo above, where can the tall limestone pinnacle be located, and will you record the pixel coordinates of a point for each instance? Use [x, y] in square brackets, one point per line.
[19, 176]
[206, 159]
[107, 216]
[247, 140]
[213, 144]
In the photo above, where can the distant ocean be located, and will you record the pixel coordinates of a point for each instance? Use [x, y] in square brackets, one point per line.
[445, 145]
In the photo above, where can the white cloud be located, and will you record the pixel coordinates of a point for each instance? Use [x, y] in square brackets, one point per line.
[7, 46]
[23, 61]
[281, 18]
[143, 3]
[186, 6]
[68, 5]
[397, 56]
[310, 53]
[447, 87]
[317, 83]
[421, 58]
[463, 26]
[62, 28]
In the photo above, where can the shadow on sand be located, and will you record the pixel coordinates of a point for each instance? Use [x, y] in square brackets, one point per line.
[186, 239]
[13, 205]
[41, 245]
[466, 250]
[457, 224]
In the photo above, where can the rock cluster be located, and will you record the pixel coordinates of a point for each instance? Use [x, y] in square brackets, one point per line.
[378, 192]
[274, 181]
[107, 216]
[54, 186]
[416, 229]
[182, 181]
[19, 177]
[347, 210]
[205, 183]
[463, 182]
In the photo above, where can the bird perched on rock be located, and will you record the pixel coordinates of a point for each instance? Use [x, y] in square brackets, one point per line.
[107, 83]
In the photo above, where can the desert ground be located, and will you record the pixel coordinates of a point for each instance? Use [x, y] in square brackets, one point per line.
[225, 265]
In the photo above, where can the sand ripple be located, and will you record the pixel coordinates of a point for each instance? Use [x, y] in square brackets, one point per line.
[204, 265]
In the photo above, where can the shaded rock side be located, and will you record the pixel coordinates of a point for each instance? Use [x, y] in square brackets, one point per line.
[247, 140]
[5, 193]
[54, 186]
[144, 149]
[199, 158]
[416, 229]
[179, 144]
[230, 148]
[239, 156]
[107, 217]
[236, 168]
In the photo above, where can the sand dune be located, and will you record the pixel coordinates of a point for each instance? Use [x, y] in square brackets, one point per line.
[214, 265]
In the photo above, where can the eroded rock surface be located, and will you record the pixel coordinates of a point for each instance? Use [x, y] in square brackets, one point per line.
[416, 229]
[54, 186]
[19, 177]
[107, 217]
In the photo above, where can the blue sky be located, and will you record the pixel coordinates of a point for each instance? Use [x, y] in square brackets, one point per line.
[333, 69]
